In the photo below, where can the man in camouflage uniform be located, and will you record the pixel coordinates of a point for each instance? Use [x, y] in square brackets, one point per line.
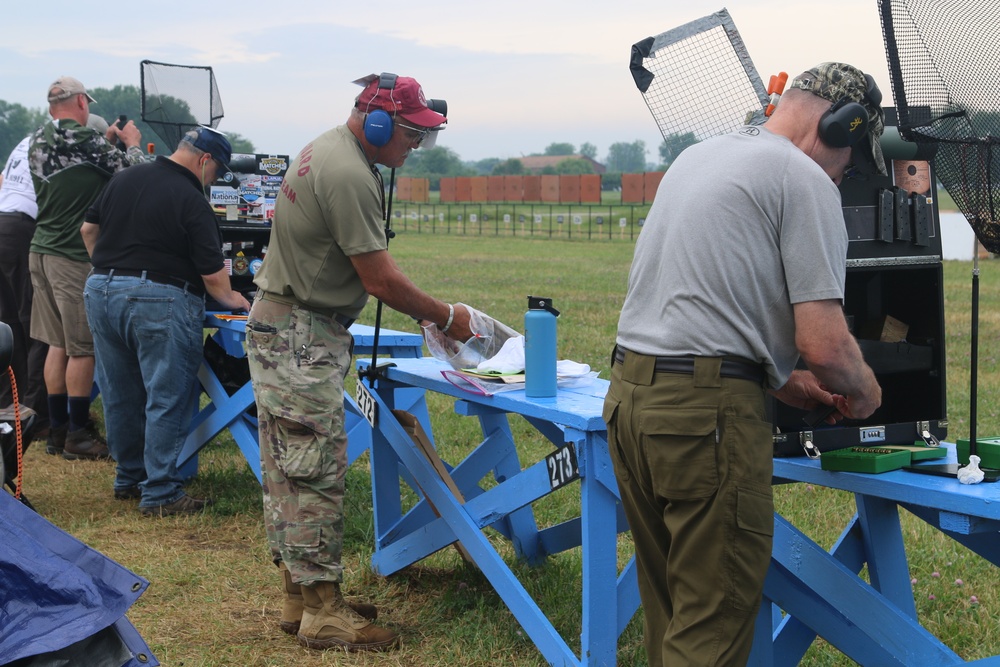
[70, 163]
[326, 254]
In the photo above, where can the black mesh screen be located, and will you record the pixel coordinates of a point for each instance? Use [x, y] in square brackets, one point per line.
[942, 57]
[698, 79]
[176, 98]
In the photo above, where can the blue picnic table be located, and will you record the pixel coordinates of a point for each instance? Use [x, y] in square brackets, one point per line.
[873, 622]
[808, 592]
[231, 412]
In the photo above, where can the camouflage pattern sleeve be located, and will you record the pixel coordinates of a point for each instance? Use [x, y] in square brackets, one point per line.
[56, 147]
[107, 157]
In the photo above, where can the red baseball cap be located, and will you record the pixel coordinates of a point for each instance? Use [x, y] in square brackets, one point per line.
[405, 98]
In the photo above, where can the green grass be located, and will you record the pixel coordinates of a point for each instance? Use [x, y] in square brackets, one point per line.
[214, 596]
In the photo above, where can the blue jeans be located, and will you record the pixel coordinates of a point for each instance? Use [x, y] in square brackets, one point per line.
[148, 343]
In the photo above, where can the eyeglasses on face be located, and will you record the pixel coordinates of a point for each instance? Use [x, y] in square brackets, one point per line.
[415, 135]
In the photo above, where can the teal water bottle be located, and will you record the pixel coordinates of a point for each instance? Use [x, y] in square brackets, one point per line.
[540, 348]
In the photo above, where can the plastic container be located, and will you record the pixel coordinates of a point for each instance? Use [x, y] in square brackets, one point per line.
[540, 348]
[987, 449]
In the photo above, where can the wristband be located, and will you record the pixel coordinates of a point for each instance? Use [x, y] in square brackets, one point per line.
[451, 318]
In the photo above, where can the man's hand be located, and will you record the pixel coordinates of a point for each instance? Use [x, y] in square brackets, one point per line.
[861, 405]
[219, 288]
[459, 329]
[832, 354]
[804, 391]
[460, 324]
[128, 135]
[238, 302]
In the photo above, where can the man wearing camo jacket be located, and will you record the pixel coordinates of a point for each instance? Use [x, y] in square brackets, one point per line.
[69, 163]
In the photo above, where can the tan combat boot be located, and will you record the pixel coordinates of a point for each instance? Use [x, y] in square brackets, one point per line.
[291, 610]
[328, 622]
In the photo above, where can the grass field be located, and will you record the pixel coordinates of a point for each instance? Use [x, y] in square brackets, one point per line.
[214, 596]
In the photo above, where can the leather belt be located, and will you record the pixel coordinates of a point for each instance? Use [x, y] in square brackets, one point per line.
[342, 320]
[731, 368]
[155, 277]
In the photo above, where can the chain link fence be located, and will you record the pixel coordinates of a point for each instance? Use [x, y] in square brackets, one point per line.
[597, 222]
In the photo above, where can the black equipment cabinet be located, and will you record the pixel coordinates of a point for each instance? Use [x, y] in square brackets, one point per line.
[244, 204]
[243, 246]
[894, 304]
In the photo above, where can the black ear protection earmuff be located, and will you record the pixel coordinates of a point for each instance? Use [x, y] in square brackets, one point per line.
[846, 123]
[378, 123]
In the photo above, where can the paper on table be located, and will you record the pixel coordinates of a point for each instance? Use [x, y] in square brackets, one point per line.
[509, 378]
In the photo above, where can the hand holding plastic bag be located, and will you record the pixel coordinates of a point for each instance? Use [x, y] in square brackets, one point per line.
[488, 338]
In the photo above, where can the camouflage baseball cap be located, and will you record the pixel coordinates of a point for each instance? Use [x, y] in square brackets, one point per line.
[838, 81]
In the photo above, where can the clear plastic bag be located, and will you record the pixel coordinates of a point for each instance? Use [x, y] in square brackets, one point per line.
[489, 335]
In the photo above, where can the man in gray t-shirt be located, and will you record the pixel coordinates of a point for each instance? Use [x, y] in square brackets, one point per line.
[739, 272]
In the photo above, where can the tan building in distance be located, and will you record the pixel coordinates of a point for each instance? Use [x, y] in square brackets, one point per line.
[534, 164]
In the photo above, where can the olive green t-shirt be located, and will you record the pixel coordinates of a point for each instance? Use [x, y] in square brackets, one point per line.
[329, 208]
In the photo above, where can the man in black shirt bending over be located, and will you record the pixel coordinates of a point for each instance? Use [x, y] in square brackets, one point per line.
[156, 250]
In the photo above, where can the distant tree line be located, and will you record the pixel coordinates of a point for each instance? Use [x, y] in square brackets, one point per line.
[17, 121]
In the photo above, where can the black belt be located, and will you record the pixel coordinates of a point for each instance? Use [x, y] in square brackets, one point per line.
[155, 277]
[731, 368]
[20, 214]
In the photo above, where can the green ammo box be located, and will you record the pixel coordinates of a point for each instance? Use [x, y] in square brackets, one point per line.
[864, 459]
[919, 452]
[987, 449]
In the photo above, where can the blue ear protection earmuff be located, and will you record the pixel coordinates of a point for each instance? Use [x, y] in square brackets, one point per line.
[378, 127]
[378, 123]
[846, 123]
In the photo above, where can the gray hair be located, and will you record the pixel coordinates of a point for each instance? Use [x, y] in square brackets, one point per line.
[187, 143]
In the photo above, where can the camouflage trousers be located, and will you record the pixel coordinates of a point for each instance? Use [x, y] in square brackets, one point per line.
[298, 362]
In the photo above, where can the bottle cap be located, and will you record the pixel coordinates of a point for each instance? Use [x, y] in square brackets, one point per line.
[541, 303]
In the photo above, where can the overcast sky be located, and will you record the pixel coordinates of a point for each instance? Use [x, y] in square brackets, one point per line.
[517, 75]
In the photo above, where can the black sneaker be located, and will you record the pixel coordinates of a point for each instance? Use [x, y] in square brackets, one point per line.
[128, 493]
[183, 505]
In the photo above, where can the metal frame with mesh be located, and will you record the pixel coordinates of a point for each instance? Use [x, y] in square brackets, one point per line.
[942, 56]
[176, 98]
[698, 78]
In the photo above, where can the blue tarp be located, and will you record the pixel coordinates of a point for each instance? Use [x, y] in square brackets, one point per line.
[61, 602]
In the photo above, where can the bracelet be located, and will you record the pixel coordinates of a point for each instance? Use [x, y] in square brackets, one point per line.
[451, 318]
